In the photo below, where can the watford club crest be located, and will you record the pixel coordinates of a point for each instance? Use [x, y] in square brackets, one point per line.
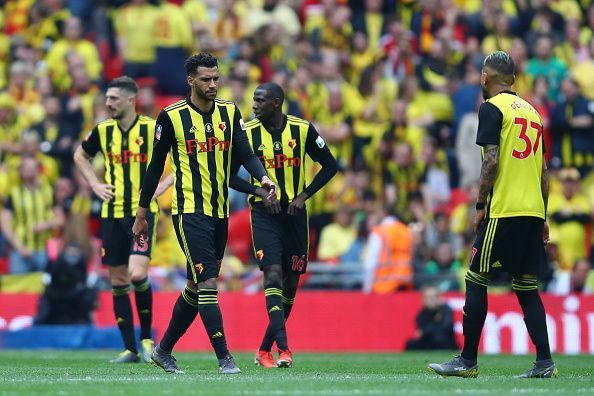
[140, 141]
[222, 126]
[292, 143]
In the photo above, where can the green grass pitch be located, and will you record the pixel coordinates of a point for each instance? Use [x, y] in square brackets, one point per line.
[88, 373]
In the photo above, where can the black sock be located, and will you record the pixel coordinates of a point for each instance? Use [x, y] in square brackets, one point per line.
[144, 306]
[276, 330]
[184, 313]
[210, 313]
[122, 308]
[534, 315]
[288, 306]
[474, 314]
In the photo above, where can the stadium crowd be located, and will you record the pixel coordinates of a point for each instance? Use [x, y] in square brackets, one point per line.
[393, 86]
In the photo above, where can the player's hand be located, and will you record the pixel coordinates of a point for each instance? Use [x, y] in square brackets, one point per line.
[140, 227]
[272, 206]
[478, 219]
[545, 233]
[269, 186]
[297, 205]
[103, 191]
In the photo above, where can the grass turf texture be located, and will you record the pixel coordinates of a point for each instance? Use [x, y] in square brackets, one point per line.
[89, 373]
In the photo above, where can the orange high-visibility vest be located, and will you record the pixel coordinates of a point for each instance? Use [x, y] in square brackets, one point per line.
[394, 269]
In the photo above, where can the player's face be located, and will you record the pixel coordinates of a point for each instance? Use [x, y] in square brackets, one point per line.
[119, 103]
[263, 105]
[205, 83]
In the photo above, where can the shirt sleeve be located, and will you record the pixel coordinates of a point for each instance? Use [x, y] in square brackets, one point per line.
[242, 151]
[490, 123]
[164, 139]
[316, 148]
[92, 144]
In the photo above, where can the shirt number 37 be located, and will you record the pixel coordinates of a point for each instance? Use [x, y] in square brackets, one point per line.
[531, 147]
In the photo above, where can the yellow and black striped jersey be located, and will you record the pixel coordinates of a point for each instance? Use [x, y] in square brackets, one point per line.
[283, 153]
[31, 207]
[516, 127]
[127, 155]
[202, 145]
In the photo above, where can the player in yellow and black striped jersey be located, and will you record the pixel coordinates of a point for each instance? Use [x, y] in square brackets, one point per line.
[28, 219]
[126, 143]
[204, 135]
[280, 229]
[510, 219]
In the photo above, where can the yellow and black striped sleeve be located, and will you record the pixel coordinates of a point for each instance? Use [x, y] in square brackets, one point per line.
[164, 138]
[318, 150]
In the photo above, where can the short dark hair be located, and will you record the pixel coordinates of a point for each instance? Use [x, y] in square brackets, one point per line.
[203, 59]
[124, 82]
[273, 90]
[501, 63]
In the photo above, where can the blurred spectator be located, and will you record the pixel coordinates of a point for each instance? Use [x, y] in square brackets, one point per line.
[570, 213]
[468, 153]
[274, 11]
[580, 280]
[387, 263]
[443, 269]
[73, 43]
[583, 71]
[573, 122]
[337, 237]
[173, 43]
[440, 232]
[435, 183]
[546, 64]
[29, 218]
[136, 30]
[435, 324]
[68, 299]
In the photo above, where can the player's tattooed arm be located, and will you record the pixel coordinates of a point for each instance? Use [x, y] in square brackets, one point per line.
[544, 184]
[488, 171]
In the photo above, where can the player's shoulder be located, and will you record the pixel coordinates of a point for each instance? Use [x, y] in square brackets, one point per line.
[144, 119]
[176, 105]
[105, 123]
[291, 119]
[225, 102]
[251, 124]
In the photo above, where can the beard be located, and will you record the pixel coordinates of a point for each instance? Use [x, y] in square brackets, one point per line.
[117, 115]
[485, 93]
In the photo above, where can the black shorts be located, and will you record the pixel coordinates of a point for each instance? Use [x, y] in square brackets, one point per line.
[203, 240]
[118, 240]
[511, 244]
[280, 239]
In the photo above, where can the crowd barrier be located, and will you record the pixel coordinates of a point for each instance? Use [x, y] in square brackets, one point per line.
[332, 321]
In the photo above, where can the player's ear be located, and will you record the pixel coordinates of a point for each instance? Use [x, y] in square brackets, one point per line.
[513, 80]
[190, 80]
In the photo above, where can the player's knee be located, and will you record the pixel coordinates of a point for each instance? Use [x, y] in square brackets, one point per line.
[525, 283]
[208, 284]
[119, 278]
[477, 278]
[273, 277]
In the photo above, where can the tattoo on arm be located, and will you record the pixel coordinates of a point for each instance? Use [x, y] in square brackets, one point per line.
[544, 185]
[488, 171]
